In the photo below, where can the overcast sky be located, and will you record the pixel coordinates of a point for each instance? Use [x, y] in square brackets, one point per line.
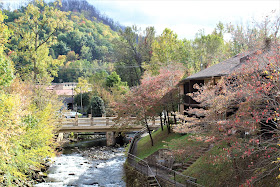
[184, 17]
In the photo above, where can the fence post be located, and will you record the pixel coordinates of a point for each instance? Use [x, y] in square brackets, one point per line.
[175, 178]
[76, 120]
[156, 168]
[107, 121]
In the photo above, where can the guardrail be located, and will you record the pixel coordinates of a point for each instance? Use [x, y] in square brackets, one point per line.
[102, 121]
[166, 174]
[142, 166]
[176, 178]
[133, 142]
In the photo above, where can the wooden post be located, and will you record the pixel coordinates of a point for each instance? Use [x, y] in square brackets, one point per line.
[181, 93]
[92, 121]
[90, 117]
[76, 120]
[107, 121]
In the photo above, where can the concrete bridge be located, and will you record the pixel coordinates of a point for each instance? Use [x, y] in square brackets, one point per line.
[100, 124]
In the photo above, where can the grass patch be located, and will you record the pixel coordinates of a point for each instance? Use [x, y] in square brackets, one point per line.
[209, 174]
[144, 147]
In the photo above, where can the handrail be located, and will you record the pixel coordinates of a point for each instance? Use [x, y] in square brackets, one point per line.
[178, 173]
[136, 137]
[94, 121]
[190, 180]
[147, 165]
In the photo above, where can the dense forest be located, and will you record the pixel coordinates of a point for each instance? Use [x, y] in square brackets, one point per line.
[70, 41]
[87, 42]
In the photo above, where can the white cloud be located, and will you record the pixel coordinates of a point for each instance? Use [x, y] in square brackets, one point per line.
[184, 17]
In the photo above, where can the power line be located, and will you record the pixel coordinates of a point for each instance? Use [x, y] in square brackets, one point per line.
[85, 68]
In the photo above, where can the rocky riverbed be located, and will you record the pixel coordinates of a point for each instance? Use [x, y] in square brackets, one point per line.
[94, 166]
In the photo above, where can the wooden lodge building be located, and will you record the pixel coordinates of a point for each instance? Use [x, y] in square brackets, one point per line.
[212, 74]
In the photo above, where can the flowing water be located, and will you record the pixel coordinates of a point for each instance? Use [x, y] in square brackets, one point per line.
[82, 166]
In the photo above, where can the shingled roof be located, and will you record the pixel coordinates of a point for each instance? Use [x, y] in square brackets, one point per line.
[221, 69]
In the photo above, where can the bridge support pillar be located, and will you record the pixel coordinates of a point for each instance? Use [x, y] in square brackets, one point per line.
[110, 138]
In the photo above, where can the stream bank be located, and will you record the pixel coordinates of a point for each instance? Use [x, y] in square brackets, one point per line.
[87, 163]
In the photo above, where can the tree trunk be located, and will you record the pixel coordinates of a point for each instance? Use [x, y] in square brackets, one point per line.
[168, 123]
[237, 174]
[137, 76]
[175, 120]
[35, 59]
[161, 125]
[149, 131]
[164, 117]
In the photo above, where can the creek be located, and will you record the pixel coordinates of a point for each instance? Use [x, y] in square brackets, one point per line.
[87, 163]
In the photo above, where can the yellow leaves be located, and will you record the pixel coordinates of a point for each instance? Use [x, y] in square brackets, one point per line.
[4, 31]
[40, 18]
[82, 85]
[26, 130]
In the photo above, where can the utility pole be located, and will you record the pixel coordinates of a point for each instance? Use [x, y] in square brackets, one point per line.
[72, 98]
[81, 100]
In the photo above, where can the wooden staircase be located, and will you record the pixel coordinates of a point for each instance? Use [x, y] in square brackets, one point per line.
[194, 158]
[152, 181]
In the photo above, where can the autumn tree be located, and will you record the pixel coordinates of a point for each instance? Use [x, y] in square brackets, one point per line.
[251, 36]
[143, 101]
[243, 111]
[28, 120]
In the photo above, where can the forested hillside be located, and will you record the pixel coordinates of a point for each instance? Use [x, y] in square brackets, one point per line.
[130, 70]
[82, 45]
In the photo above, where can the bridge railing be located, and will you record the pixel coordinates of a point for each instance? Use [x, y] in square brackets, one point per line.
[93, 121]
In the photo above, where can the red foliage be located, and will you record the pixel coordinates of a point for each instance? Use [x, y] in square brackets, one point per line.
[145, 100]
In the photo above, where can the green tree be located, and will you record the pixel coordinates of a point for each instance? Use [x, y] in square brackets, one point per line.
[6, 69]
[85, 99]
[115, 85]
[60, 48]
[96, 107]
[133, 50]
[99, 78]
[113, 79]
[86, 53]
[36, 31]
[166, 49]
[208, 50]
